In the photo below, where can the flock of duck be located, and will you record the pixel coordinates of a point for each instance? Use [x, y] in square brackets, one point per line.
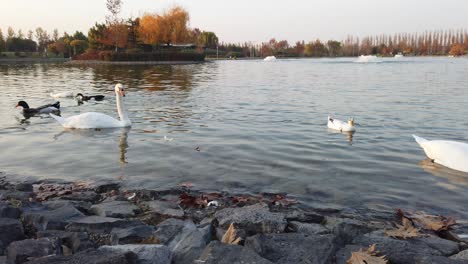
[451, 154]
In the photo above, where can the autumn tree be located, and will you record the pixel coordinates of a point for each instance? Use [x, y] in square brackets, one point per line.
[334, 48]
[42, 38]
[150, 29]
[30, 34]
[457, 50]
[55, 35]
[208, 39]
[116, 32]
[79, 46]
[2, 42]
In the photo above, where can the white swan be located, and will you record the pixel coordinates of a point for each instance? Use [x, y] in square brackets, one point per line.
[99, 120]
[451, 154]
[340, 125]
[62, 94]
[270, 58]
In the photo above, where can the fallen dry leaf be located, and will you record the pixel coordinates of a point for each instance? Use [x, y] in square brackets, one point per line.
[429, 222]
[230, 237]
[368, 256]
[186, 200]
[407, 230]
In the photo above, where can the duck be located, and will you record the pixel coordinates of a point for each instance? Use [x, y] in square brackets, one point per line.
[45, 109]
[340, 125]
[62, 94]
[451, 154]
[80, 97]
[93, 120]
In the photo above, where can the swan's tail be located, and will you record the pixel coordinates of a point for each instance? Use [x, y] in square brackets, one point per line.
[59, 119]
[420, 140]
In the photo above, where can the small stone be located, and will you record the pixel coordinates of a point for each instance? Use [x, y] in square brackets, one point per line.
[131, 234]
[253, 219]
[118, 209]
[219, 253]
[307, 228]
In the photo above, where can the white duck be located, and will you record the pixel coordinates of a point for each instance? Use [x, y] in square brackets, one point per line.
[62, 94]
[270, 58]
[340, 125]
[451, 154]
[99, 120]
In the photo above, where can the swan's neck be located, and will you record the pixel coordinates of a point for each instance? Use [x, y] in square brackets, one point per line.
[122, 112]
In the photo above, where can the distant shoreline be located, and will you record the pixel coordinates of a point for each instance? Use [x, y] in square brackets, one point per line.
[97, 62]
[33, 60]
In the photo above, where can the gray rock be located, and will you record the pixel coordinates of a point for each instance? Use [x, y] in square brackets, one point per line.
[3, 260]
[146, 254]
[253, 219]
[107, 187]
[86, 196]
[294, 214]
[10, 230]
[170, 228]
[219, 253]
[74, 241]
[461, 255]
[9, 211]
[189, 243]
[21, 251]
[90, 256]
[346, 229]
[164, 208]
[24, 187]
[307, 228]
[410, 250]
[293, 247]
[131, 234]
[342, 255]
[99, 224]
[118, 209]
[53, 215]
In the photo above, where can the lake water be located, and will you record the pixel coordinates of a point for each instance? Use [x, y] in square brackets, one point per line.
[259, 126]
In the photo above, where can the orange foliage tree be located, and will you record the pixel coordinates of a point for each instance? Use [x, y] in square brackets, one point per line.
[115, 34]
[457, 50]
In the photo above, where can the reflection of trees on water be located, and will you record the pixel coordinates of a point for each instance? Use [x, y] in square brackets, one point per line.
[152, 78]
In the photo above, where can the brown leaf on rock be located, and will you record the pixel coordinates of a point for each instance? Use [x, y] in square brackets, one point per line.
[186, 200]
[429, 222]
[407, 230]
[230, 237]
[281, 200]
[368, 256]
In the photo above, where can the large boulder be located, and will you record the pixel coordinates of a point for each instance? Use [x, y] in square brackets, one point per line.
[73, 241]
[9, 211]
[53, 215]
[219, 253]
[253, 219]
[90, 256]
[99, 224]
[118, 209]
[461, 255]
[22, 251]
[307, 228]
[170, 228]
[293, 248]
[10, 230]
[165, 209]
[131, 234]
[146, 254]
[408, 251]
[346, 229]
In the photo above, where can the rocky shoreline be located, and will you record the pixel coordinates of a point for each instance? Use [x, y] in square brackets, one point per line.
[50, 222]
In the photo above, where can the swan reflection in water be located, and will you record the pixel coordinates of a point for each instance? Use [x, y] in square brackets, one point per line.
[455, 178]
[123, 137]
[348, 134]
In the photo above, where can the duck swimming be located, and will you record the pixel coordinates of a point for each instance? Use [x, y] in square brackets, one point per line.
[80, 97]
[451, 154]
[98, 120]
[340, 125]
[45, 109]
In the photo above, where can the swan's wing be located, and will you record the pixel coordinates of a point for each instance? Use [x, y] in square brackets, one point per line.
[59, 119]
[91, 120]
[451, 154]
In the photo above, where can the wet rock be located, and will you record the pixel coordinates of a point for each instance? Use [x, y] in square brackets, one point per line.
[9, 211]
[410, 250]
[99, 224]
[346, 229]
[118, 209]
[90, 256]
[22, 251]
[164, 208]
[107, 187]
[74, 241]
[3, 260]
[52, 215]
[461, 255]
[131, 235]
[293, 214]
[24, 187]
[342, 255]
[10, 230]
[86, 196]
[253, 219]
[219, 253]
[146, 254]
[293, 247]
[190, 243]
[307, 228]
[23, 197]
[167, 230]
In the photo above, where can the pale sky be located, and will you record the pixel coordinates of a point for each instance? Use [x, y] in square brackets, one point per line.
[253, 20]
